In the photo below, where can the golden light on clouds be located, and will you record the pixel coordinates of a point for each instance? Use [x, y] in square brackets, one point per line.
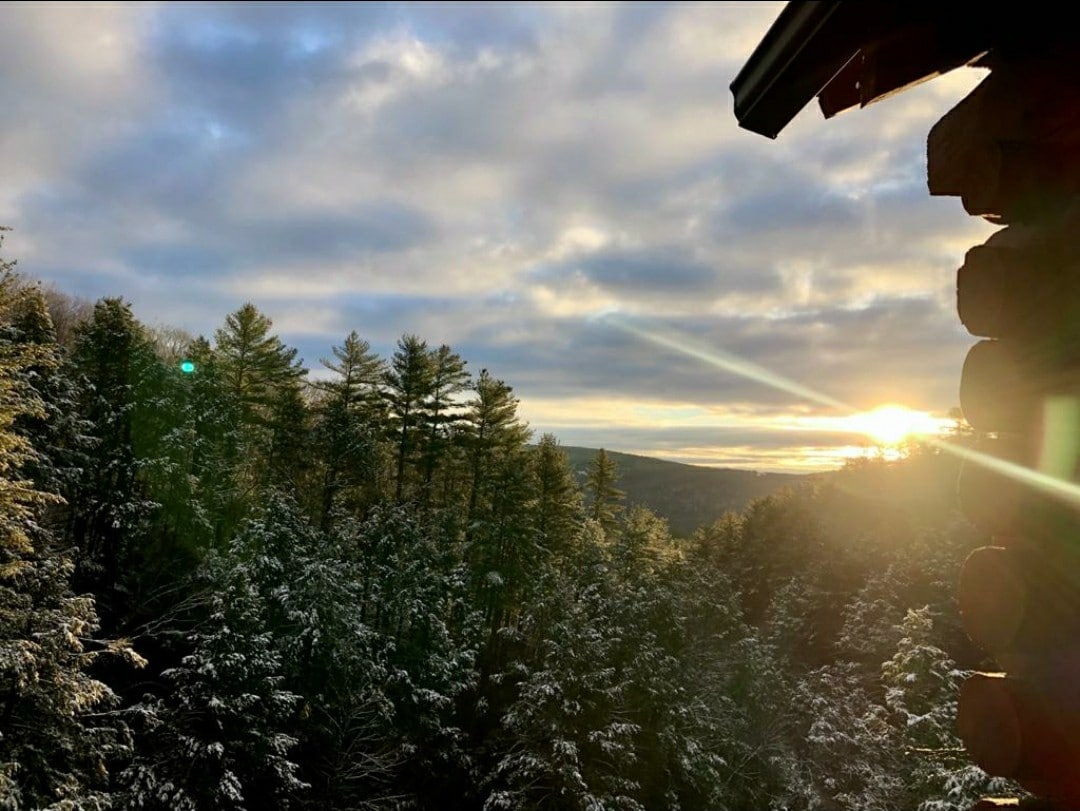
[839, 431]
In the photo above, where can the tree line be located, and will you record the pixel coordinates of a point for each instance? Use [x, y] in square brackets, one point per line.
[226, 586]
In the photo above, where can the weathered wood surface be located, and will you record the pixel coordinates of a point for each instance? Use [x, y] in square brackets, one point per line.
[1012, 729]
[997, 803]
[991, 500]
[1021, 602]
[1009, 149]
[902, 58]
[995, 395]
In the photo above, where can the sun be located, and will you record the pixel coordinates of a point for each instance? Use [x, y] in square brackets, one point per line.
[893, 424]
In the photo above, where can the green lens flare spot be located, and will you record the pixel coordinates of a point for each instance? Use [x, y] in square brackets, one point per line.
[187, 367]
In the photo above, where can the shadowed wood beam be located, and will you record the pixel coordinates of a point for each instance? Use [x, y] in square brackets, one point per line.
[1012, 730]
[993, 596]
[990, 500]
[1009, 149]
[1021, 603]
[994, 391]
[899, 59]
[990, 288]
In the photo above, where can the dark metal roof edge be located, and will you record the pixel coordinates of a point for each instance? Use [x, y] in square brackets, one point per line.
[782, 44]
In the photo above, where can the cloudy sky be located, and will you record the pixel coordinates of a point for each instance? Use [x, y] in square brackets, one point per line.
[503, 179]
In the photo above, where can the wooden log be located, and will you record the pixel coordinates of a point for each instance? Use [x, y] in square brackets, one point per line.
[997, 803]
[1009, 149]
[989, 725]
[1024, 282]
[1021, 605]
[900, 58]
[994, 393]
[1032, 304]
[993, 596]
[1013, 730]
[990, 290]
[1021, 181]
[1016, 385]
[991, 500]
[960, 149]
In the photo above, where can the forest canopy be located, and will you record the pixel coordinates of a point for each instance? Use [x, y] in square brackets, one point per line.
[224, 585]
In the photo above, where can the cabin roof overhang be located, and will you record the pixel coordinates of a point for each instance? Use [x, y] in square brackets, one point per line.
[851, 53]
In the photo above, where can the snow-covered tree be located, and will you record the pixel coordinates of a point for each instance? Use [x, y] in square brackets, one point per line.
[220, 737]
[922, 685]
[56, 733]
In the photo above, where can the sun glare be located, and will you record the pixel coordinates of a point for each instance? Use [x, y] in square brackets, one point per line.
[893, 424]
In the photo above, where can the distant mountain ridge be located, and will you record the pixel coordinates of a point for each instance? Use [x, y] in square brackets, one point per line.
[688, 496]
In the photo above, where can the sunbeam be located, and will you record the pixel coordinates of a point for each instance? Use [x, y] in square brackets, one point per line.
[727, 362]
[1055, 487]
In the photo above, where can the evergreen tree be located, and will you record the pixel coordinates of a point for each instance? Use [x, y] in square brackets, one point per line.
[408, 387]
[501, 544]
[557, 499]
[922, 685]
[220, 738]
[261, 377]
[52, 752]
[349, 419]
[59, 437]
[202, 503]
[253, 363]
[572, 741]
[448, 379]
[414, 594]
[493, 433]
[605, 499]
[120, 399]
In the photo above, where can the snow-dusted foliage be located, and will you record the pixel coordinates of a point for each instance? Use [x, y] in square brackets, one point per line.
[56, 729]
[220, 737]
[922, 683]
[372, 593]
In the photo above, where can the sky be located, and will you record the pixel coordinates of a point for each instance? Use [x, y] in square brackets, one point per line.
[513, 180]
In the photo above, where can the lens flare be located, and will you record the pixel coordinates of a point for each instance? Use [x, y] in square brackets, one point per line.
[725, 361]
[1049, 484]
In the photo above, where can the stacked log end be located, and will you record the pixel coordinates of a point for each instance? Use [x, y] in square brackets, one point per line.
[1011, 152]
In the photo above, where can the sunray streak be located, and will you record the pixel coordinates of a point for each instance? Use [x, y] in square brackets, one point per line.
[1055, 487]
[723, 360]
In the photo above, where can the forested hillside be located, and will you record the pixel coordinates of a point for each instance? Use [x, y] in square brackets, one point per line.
[224, 586]
[688, 496]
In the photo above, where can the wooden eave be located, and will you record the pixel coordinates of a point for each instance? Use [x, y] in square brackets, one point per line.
[849, 53]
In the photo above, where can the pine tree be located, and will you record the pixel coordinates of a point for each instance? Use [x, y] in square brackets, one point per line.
[605, 499]
[493, 432]
[408, 387]
[261, 376]
[348, 422]
[221, 737]
[413, 592]
[448, 379]
[203, 506]
[121, 400]
[51, 753]
[254, 364]
[59, 436]
[922, 686]
[557, 499]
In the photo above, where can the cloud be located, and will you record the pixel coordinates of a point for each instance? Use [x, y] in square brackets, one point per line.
[494, 177]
